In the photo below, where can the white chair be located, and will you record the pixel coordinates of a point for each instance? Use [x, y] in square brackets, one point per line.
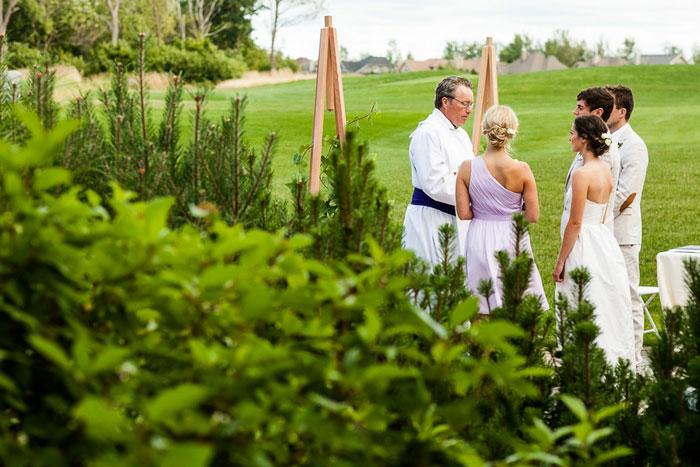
[652, 292]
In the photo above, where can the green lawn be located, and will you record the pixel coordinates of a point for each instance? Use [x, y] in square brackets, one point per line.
[667, 117]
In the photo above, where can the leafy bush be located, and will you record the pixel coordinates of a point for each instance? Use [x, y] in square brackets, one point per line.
[257, 58]
[104, 55]
[126, 343]
[24, 56]
[195, 61]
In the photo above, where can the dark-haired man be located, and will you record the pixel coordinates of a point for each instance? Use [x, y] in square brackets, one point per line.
[634, 159]
[438, 147]
[596, 101]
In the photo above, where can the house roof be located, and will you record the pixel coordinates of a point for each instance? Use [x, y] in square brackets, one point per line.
[603, 61]
[353, 67]
[533, 61]
[437, 63]
[663, 59]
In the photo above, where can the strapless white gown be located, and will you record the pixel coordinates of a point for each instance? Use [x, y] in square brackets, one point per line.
[596, 249]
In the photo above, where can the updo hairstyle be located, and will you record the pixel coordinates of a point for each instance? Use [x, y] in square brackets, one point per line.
[500, 126]
[592, 127]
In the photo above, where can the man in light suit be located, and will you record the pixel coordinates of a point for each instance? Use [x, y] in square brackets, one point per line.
[596, 101]
[634, 159]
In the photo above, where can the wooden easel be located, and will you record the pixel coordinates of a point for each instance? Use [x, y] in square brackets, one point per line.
[329, 85]
[487, 93]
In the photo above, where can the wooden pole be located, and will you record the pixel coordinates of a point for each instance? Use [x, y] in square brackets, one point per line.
[337, 81]
[487, 92]
[329, 85]
[330, 101]
[317, 135]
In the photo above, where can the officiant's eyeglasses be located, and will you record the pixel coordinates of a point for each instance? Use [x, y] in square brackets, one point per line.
[466, 105]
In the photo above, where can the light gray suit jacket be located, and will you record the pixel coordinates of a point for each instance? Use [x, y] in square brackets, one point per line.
[634, 159]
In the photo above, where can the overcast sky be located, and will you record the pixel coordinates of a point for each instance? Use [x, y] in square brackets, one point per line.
[422, 27]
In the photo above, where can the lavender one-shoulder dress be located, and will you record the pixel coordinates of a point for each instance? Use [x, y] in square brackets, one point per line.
[491, 230]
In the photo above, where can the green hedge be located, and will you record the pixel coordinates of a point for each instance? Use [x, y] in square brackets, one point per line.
[195, 61]
[126, 343]
[23, 56]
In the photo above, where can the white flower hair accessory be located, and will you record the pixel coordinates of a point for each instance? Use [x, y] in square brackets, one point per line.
[510, 131]
[607, 138]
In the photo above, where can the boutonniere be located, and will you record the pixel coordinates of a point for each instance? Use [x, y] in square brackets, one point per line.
[619, 144]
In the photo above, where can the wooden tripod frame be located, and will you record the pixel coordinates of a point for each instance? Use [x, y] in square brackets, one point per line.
[329, 84]
[487, 92]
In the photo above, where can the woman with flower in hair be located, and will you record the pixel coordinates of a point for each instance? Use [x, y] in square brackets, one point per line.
[490, 189]
[586, 242]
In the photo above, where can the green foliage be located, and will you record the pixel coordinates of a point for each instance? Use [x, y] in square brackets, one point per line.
[627, 49]
[23, 56]
[75, 31]
[196, 61]
[512, 51]
[572, 445]
[663, 425]
[126, 343]
[103, 57]
[466, 50]
[566, 49]
[234, 17]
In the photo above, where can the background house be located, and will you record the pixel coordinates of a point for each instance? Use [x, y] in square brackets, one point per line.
[440, 63]
[663, 59]
[668, 59]
[529, 62]
[305, 65]
[597, 60]
[369, 65]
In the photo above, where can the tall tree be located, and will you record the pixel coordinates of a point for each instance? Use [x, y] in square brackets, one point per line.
[393, 54]
[67, 25]
[285, 13]
[566, 49]
[512, 51]
[181, 20]
[602, 48]
[671, 49]
[6, 11]
[113, 21]
[627, 49]
[201, 13]
[465, 50]
[236, 15]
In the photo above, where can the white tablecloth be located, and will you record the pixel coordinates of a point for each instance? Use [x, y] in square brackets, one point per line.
[670, 274]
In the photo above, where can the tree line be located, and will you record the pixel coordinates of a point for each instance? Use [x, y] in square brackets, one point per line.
[567, 49]
[75, 30]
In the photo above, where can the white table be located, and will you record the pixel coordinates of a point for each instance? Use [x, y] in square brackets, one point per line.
[670, 274]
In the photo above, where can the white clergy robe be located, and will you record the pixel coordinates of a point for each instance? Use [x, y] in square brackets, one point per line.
[436, 151]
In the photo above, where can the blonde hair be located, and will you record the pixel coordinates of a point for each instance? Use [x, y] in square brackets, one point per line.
[500, 125]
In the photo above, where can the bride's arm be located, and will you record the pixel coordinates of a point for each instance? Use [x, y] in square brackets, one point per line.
[464, 208]
[579, 188]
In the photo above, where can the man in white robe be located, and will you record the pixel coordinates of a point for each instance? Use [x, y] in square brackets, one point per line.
[596, 101]
[634, 159]
[438, 147]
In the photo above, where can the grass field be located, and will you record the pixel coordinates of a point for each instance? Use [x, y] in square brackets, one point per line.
[667, 117]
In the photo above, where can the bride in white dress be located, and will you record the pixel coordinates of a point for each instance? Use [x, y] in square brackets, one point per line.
[586, 242]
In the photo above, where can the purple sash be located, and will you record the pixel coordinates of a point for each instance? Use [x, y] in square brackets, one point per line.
[421, 199]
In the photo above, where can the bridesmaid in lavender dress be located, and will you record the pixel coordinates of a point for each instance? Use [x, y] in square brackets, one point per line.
[490, 189]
